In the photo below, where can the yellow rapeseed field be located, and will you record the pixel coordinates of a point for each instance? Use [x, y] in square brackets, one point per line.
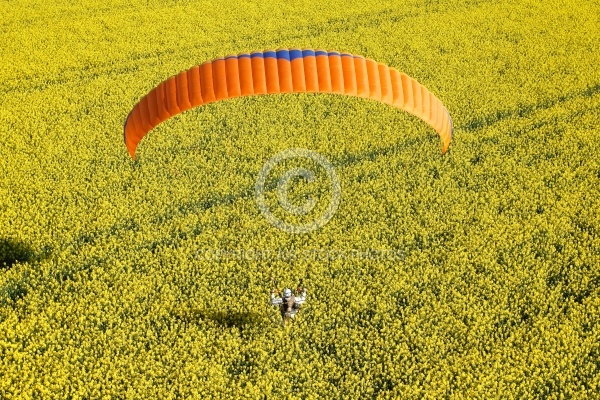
[150, 278]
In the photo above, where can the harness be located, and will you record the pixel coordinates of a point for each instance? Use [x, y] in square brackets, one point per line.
[289, 307]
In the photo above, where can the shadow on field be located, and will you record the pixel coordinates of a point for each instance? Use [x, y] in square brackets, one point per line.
[15, 251]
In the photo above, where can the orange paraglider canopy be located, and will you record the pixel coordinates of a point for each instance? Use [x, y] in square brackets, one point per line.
[285, 71]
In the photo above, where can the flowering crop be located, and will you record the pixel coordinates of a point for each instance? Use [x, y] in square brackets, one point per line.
[494, 289]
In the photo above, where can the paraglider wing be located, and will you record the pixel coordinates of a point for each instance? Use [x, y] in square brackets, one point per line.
[285, 71]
